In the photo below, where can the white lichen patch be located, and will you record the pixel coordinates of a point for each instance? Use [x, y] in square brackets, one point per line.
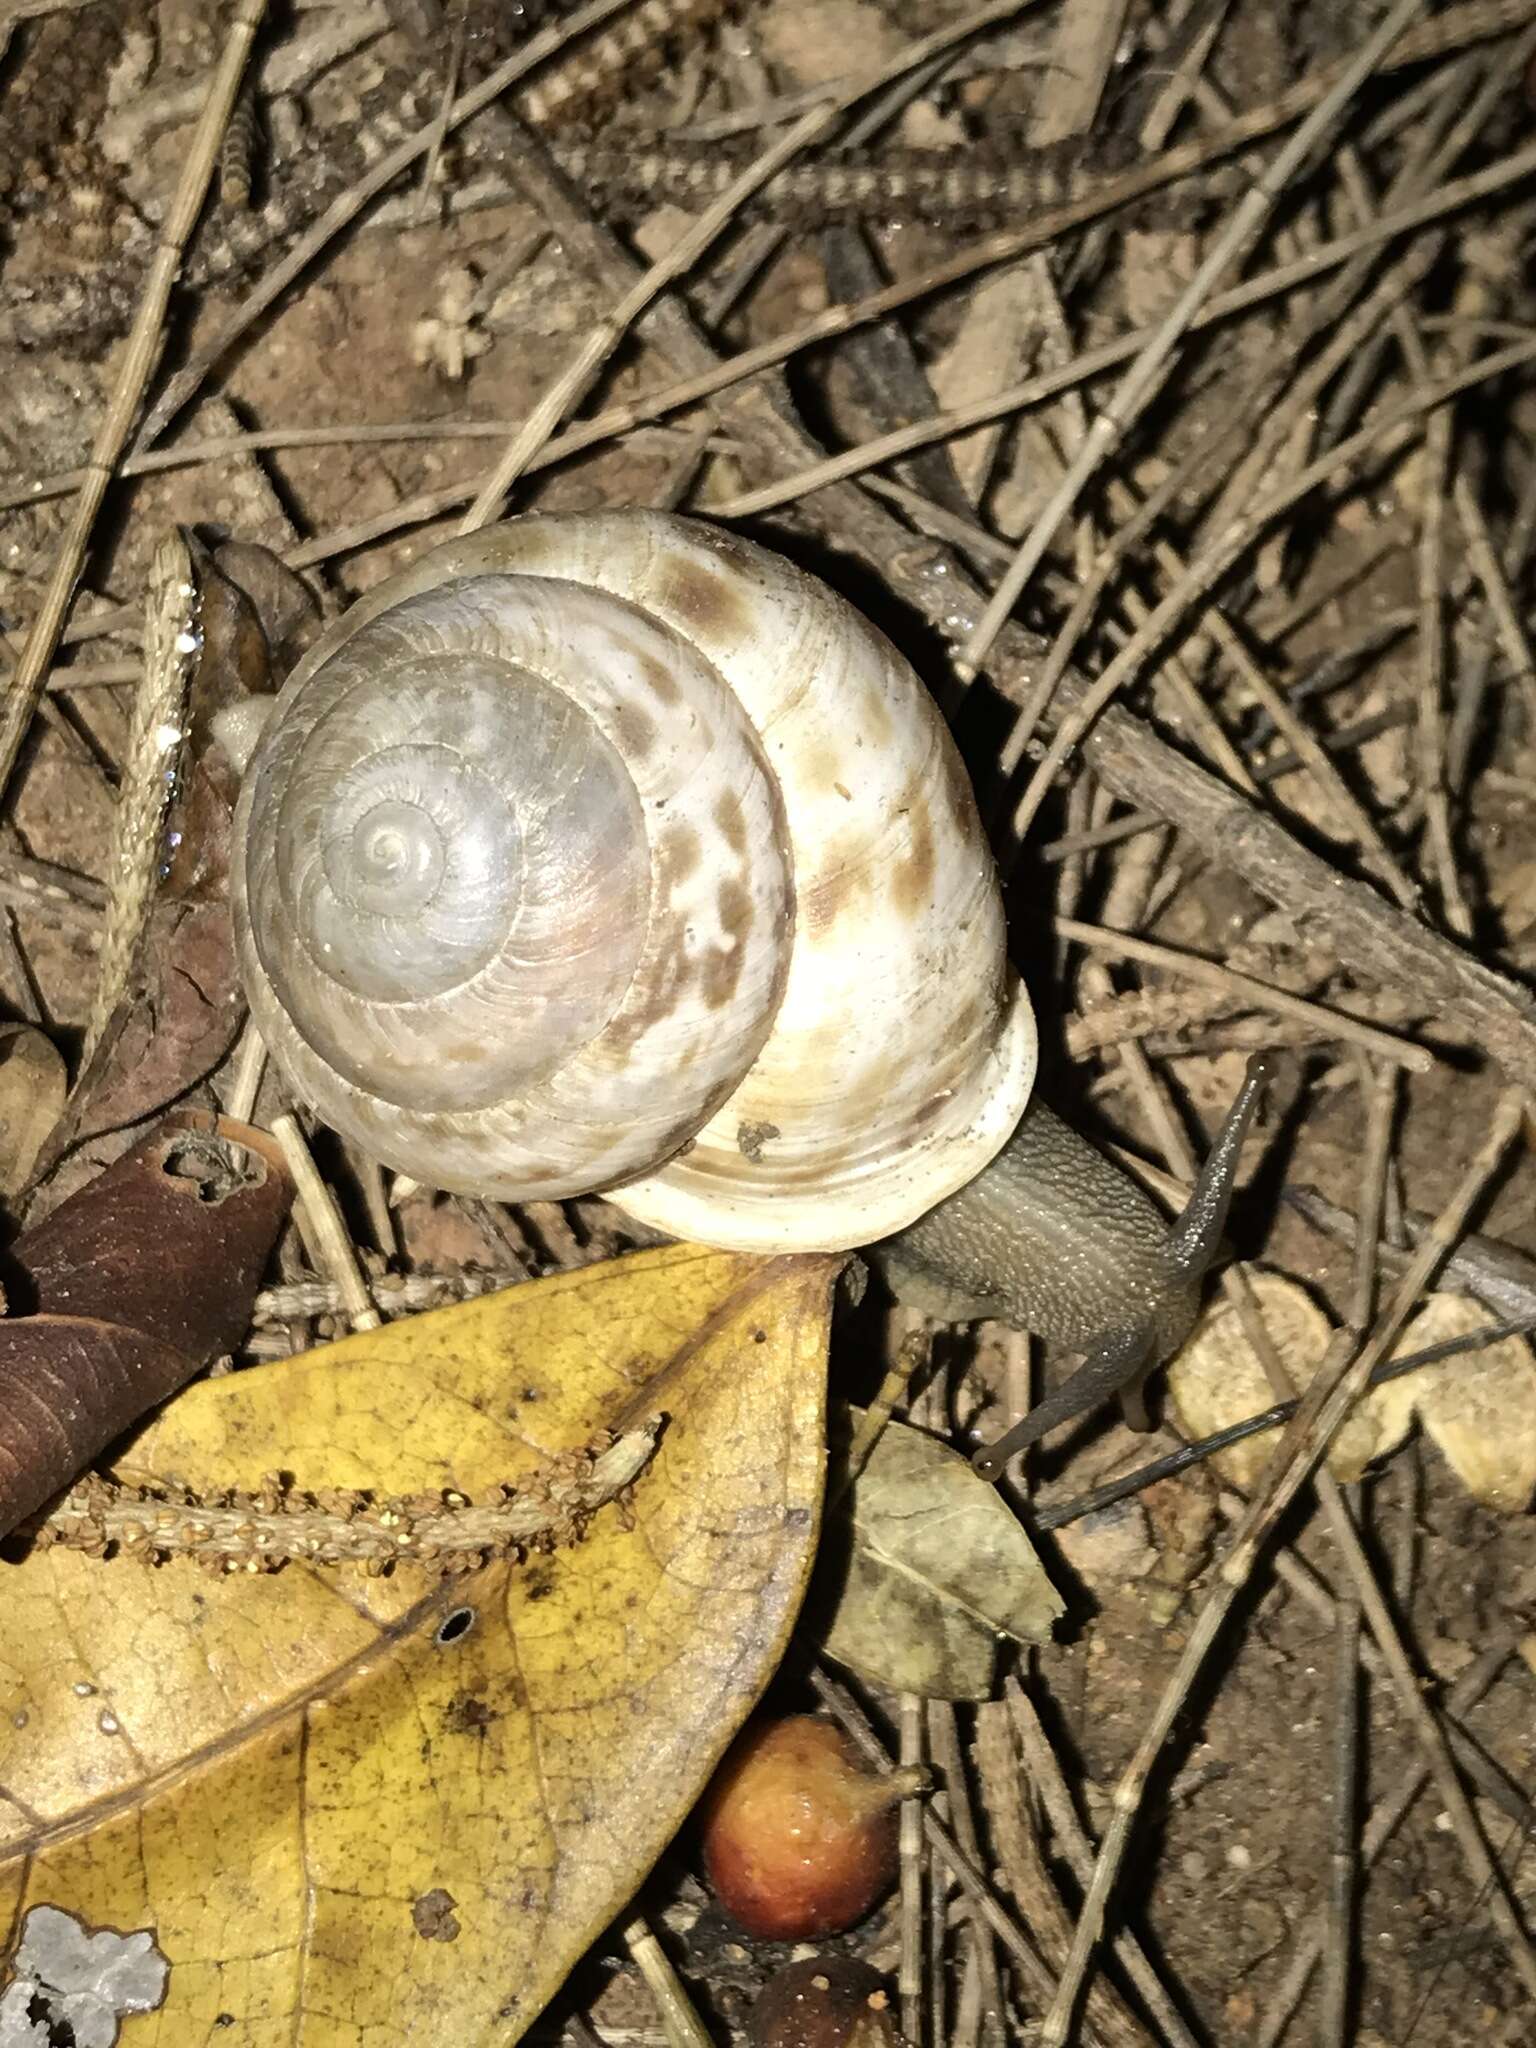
[72, 1983]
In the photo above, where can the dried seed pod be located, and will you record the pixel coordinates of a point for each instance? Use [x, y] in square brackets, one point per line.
[824, 2002]
[799, 1839]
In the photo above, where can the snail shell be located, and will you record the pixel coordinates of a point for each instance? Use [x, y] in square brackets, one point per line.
[612, 852]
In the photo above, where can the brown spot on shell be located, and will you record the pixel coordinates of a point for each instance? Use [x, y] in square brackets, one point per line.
[462, 1052]
[976, 1021]
[637, 731]
[704, 599]
[825, 901]
[535, 540]
[822, 1170]
[678, 852]
[876, 721]
[823, 765]
[732, 820]
[720, 972]
[661, 679]
[669, 989]
[912, 884]
[734, 901]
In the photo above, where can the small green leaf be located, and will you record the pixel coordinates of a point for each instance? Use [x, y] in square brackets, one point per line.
[936, 1570]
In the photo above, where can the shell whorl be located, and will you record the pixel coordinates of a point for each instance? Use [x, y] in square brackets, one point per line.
[474, 913]
[612, 852]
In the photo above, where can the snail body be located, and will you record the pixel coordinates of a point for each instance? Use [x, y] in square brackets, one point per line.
[613, 853]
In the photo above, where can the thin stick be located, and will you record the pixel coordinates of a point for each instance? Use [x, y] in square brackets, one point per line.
[1489, 571]
[1401, 1051]
[684, 2028]
[1046, 1778]
[350, 203]
[1340, 1916]
[911, 1358]
[1168, 1466]
[1381, 1824]
[440, 127]
[1448, 198]
[1429, 725]
[156, 741]
[1220, 553]
[944, 1748]
[138, 359]
[1344, 1792]
[219, 447]
[909, 1968]
[1145, 376]
[1327, 1402]
[577, 376]
[247, 1070]
[336, 1256]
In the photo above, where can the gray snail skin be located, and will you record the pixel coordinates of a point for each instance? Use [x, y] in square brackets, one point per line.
[612, 853]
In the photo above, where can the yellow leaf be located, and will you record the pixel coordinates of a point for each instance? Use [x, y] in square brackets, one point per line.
[342, 1821]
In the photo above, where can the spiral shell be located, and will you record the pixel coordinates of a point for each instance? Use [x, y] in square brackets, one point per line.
[611, 852]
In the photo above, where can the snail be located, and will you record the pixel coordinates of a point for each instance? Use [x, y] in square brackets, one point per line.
[613, 853]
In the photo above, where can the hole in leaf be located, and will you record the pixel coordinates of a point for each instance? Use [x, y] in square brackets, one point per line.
[454, 1625]
[41, 2013]
[215, 1169]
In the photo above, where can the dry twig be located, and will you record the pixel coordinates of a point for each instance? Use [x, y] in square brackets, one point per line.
[134, 368]
[1327, 1402]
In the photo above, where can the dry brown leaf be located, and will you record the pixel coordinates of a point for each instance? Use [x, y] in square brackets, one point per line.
[938, 1572]
[1479, 1409]
[354, 1810]
[127, 1291]
[33, 1084]
[1216, 1380]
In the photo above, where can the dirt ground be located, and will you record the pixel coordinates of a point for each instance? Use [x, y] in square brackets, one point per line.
[440, 319]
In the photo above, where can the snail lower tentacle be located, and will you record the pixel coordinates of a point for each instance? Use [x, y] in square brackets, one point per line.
[1053, 1238]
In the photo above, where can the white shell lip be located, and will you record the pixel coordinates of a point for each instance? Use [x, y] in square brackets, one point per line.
[845, 1214]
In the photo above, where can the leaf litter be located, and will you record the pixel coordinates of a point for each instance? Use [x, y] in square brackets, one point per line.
[1252, 1790]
